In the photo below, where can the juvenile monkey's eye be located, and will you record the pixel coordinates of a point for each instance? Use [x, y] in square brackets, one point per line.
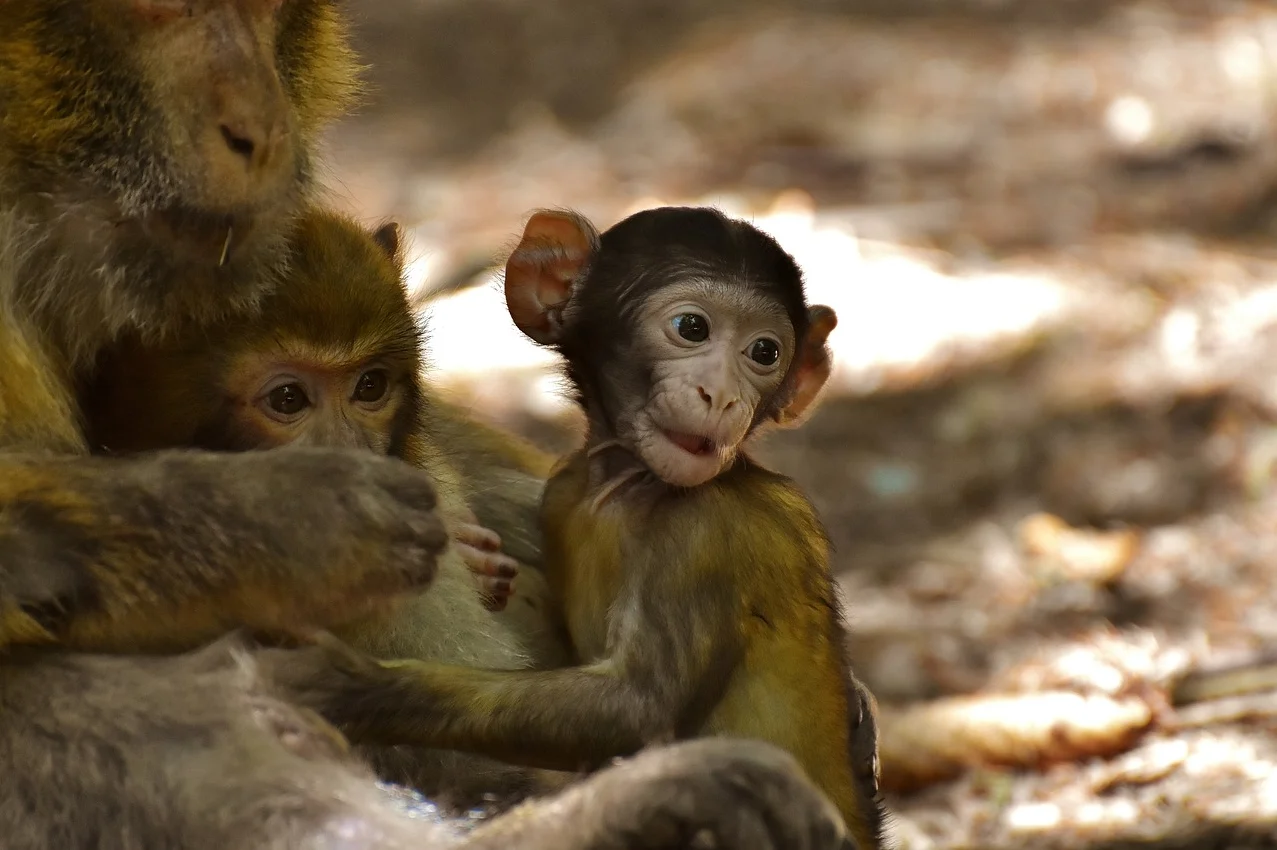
[372, 386]
[692, 327]
[764, 352]
[288, 399]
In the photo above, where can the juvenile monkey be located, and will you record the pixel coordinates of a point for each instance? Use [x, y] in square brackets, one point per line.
[331, 358]
[153, 155]
[694, 584]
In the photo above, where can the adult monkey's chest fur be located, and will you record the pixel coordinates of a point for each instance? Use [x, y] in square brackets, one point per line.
[584, 563]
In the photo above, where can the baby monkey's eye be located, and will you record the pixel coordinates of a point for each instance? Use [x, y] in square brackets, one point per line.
[288, 399]
[692, 327]
[764, 352]
[372, 386]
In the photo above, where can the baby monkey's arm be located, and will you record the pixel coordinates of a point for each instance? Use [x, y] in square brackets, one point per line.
[676, 639]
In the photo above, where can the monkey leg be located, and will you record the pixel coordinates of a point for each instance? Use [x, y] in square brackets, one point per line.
[461, 782]
[197, 751]
[192, 751]
[707, 793]
[169, 550]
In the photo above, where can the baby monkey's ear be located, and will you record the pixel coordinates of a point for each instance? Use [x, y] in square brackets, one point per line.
[813, 367]
[555, 250]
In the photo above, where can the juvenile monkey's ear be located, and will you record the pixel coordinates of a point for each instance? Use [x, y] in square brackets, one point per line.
[813, 368]
[388, 237]
[555, 249]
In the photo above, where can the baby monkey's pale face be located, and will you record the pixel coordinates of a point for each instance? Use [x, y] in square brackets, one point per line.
[717, 352]
[676, 327]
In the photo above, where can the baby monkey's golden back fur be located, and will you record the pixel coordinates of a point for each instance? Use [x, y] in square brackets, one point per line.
[743, 561]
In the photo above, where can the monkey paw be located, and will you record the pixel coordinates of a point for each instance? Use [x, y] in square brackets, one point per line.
[710, 793]
[495, 571]
[41, 589]
[325, 674]
[322, 536]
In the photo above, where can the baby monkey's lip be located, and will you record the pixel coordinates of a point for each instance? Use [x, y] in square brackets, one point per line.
[691, 443]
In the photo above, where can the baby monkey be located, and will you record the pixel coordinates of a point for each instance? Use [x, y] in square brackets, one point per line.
[333, 360]
[694, 584]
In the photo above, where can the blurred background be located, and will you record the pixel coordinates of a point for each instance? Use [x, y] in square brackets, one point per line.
[1046, 463]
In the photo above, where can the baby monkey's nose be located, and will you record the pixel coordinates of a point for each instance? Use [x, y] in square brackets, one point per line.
[708, 398]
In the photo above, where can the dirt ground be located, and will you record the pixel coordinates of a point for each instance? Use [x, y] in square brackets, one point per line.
[1048, 523]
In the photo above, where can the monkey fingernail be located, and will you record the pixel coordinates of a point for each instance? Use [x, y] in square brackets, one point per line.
[495, 603]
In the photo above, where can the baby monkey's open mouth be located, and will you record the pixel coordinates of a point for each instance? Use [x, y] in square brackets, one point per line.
[690, 443]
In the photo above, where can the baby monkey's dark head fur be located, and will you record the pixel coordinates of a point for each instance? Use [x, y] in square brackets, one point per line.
[683, 330]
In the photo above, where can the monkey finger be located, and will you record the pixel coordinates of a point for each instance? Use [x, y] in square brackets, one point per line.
[496, 593]
[492, 564]
[466, 516]
[495, 604]
[472, 534]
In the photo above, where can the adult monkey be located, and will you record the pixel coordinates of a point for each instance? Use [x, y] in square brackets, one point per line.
[152, 155]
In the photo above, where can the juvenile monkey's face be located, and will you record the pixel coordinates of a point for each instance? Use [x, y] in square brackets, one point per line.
[716, 352]
[306, 397]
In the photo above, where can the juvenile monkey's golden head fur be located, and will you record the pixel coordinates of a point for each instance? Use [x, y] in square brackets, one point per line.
[332, 358]
[154, 152]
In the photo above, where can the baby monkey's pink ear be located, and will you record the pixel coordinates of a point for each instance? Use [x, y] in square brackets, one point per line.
[555, 249]
[814, 365]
